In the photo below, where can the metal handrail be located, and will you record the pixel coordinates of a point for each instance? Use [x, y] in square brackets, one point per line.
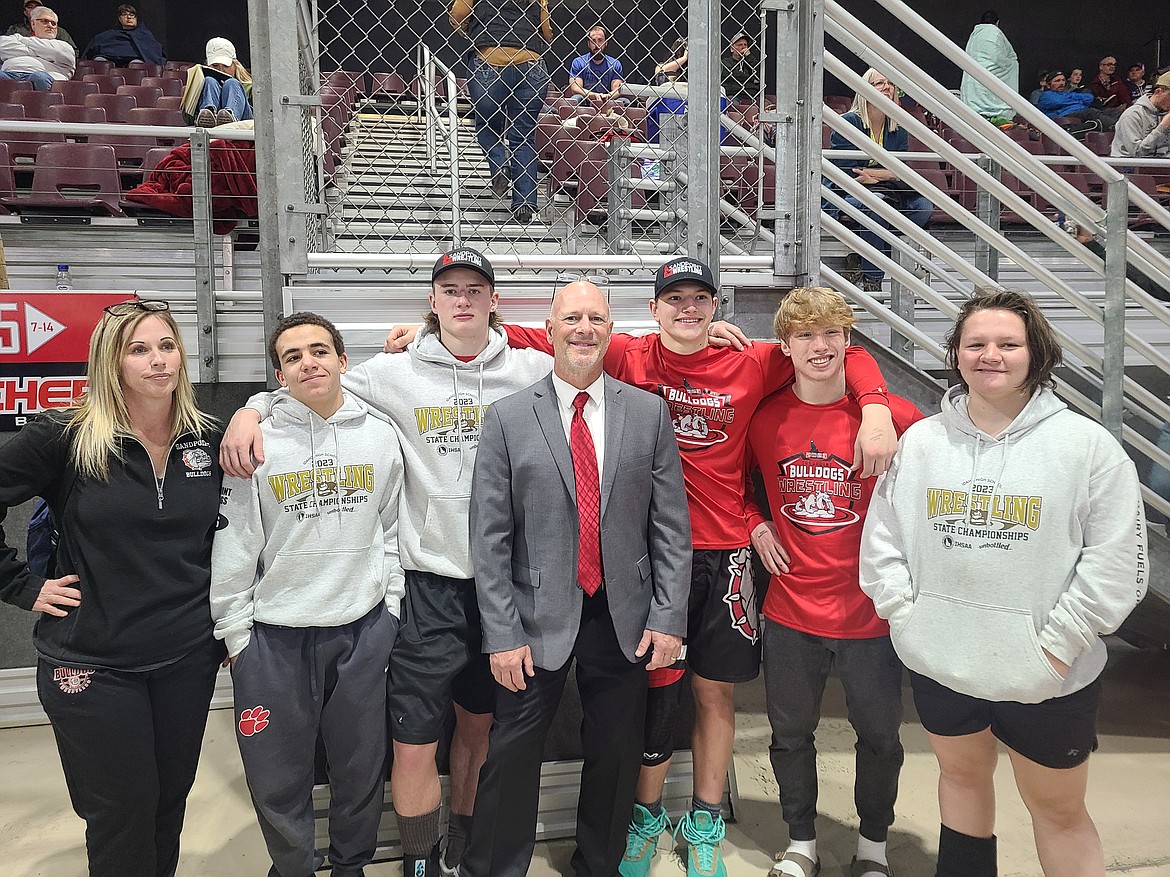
[430, 65]
[122, 129]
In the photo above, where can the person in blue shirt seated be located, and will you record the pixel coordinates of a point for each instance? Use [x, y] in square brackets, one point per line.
[596, 77]
[1058, 103]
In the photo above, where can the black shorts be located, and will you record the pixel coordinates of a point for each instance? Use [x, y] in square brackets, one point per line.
[723, 617]
[437, 658]
[1059, 732]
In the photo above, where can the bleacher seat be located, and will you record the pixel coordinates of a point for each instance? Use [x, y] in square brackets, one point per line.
[36, 103]
[148, 68]
[74, 91]
[156, 116]
[169, 87]
[144, 95]
[388, 85]
[25, 144]
[11, 111]
[1099, 142]
[106, 83]
[79, 167]
[167, 102]
[345, 81]
[71, 114]
[7, 185]
[86, 67]
[838, 102]
[9, 87]
[117, 106]
[153, 157]
[180, 66]
[132, 75]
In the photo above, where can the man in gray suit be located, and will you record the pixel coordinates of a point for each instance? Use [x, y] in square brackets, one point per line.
[581, 544]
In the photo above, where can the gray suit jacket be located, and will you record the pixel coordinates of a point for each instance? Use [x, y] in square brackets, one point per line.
[524, 529]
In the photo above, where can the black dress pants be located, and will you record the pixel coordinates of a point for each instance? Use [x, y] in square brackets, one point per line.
[613, 705]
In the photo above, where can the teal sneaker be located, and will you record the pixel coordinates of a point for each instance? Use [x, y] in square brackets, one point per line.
[704, 835]
[642, 841]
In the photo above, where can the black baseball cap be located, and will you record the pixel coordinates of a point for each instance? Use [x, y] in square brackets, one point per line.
[464, 257]
[680, 269]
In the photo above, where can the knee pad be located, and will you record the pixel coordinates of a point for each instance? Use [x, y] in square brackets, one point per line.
[661, 716]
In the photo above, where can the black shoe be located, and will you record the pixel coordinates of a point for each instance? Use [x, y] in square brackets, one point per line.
[524, 213]
[422, 866]
[501, 184]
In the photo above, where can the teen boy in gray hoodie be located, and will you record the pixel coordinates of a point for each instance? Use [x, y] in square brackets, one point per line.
[435, 396]
[306, 586]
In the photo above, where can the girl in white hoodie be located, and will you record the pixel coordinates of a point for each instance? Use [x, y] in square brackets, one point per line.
[1005, 539]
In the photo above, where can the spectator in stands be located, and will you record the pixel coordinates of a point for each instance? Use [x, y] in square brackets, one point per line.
[1107, 88]
[741, 72]
[1034, 97]
[990, 47]
[674, 68]
[1076, 80]
[1079, 111]
[40, 59]
[1135, 81]
[219, 92]
[126, 43]
[1005, 540]
[596, 77]
[1143, 131]
[126, 657]
[872, 120]
[508, 85]
[24, 27]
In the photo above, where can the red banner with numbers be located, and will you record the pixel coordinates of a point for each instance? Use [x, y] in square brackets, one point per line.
[44, 346]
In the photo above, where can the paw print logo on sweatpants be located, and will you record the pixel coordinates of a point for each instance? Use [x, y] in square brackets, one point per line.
[253, 720]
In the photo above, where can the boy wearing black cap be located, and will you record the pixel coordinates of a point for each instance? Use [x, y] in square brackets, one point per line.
[712, 393]
[435, 397]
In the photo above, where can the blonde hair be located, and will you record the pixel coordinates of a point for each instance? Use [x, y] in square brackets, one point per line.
[100, 419]
[812, 307]
[861, 105]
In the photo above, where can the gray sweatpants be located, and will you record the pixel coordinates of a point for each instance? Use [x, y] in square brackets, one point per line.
[291, 683]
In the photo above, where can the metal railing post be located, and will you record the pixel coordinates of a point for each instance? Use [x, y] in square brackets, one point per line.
[987, 208]
[618, 201]
[1116, 230]
[704, 26]
[672, 136]
[279, 105]
[453, 157]
[204, 255]
[799, 90]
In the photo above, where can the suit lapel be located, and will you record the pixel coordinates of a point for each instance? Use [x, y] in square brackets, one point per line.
[615, 426]
[549, 418]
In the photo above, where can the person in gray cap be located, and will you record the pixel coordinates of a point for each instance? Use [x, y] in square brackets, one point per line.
[741, 72]
[436, 397]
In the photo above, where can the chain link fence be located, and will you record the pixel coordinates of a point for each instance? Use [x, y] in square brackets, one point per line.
[490, 134]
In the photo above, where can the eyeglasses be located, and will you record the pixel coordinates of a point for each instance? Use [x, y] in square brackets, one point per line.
[601, 281]
[147, 305]
[47, 21]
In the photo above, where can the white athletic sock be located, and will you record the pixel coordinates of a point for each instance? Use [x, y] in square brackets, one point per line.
[873, 850]
[791, 869]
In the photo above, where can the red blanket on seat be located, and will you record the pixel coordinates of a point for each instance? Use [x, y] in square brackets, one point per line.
[233, 183]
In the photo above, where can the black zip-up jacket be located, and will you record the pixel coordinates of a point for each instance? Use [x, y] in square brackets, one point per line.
[141, 547]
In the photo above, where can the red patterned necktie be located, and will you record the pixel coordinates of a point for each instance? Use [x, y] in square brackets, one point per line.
[588, 499]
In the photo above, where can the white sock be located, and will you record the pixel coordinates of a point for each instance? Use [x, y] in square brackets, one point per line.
[791, 869]
[873, 850]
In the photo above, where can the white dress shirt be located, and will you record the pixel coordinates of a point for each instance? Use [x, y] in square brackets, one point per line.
[593, 412]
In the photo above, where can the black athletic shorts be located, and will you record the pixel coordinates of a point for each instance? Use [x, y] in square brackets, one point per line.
[437, 658]
[1059, 732]
[723, 617]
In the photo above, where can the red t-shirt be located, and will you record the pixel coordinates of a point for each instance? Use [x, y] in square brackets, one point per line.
[804, 452]
[712, 396]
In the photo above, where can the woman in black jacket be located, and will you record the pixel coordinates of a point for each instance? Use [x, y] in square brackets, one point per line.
[126, 658]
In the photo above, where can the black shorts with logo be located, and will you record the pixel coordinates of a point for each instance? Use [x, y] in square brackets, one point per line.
[437, 658]
[1060, 732]
[723, 617]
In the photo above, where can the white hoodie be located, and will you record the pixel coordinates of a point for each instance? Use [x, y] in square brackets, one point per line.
[437, 404]
[311, 539]
[983, 552]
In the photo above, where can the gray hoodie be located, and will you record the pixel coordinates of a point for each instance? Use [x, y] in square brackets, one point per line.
[437, 404]
[311, 539]
[984, 551]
